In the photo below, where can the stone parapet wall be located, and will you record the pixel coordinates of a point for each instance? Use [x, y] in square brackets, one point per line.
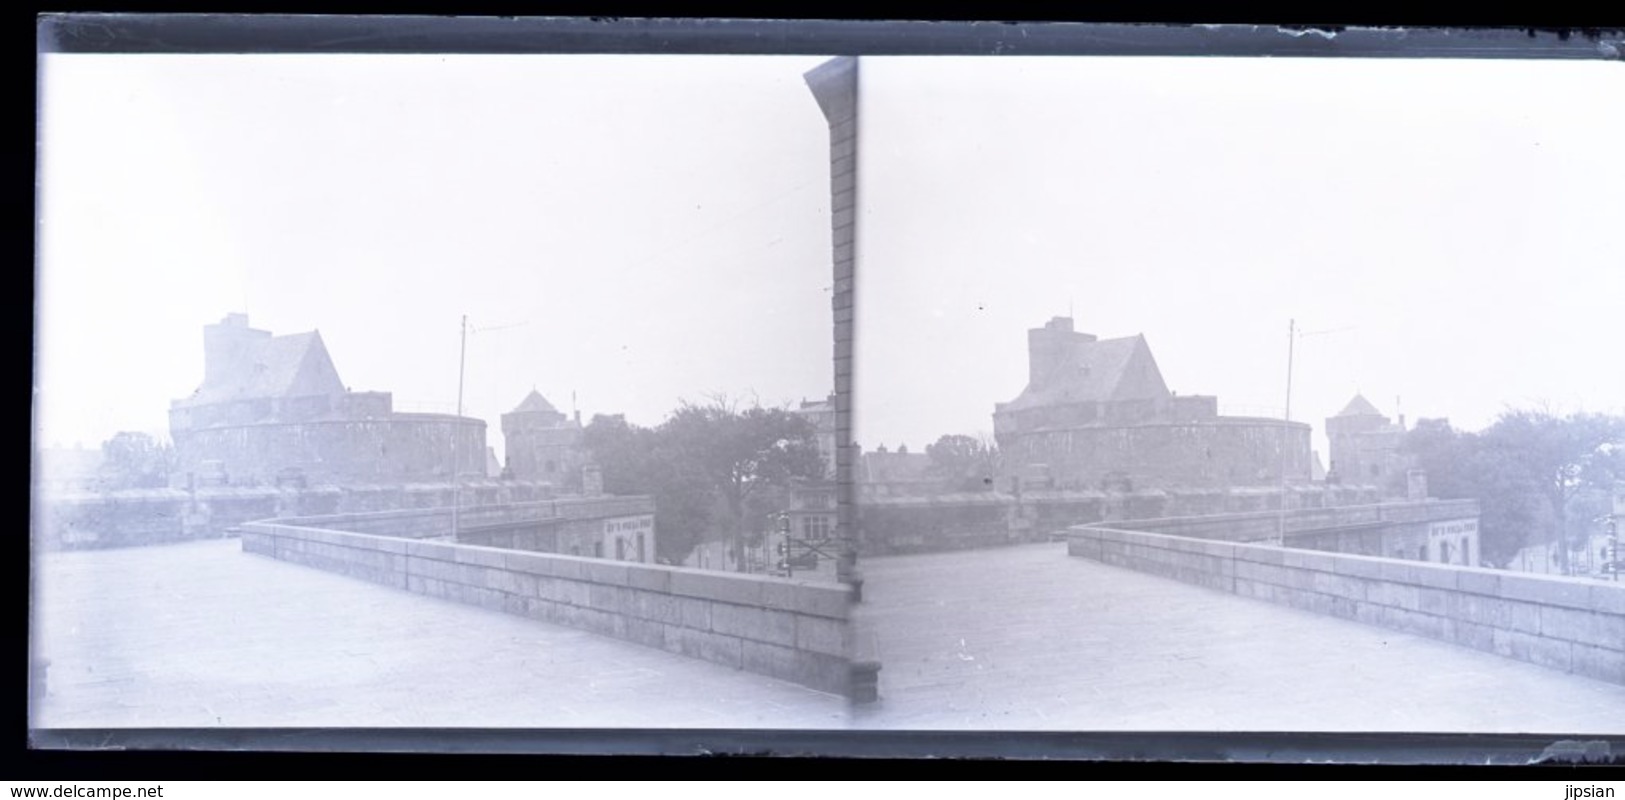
[1572, 624]
[1394, 530]
[943, 522]
[158, 516]
[426, 523]
[785, 629]
[1263, 525]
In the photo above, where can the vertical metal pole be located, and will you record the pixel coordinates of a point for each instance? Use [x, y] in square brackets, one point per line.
[456, 468]
[1291, 336]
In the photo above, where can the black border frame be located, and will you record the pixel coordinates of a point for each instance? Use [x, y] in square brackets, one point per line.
[227, 753]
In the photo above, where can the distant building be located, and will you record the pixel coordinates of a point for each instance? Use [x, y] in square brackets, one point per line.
[272, 409]
[1614, 543]
[821, 413]
[542, 443]
[1097, 414]
[1366, 446]
[812, 509]
[884, 471]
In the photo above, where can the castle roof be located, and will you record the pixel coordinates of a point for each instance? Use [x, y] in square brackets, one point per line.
[294, 365]
[534, 402]
[1101, 370]
[1359, 407]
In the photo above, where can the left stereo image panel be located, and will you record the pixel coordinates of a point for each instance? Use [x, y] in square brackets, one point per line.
[438, 391]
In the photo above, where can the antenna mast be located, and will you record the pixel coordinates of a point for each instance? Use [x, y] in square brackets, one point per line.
[456, 472]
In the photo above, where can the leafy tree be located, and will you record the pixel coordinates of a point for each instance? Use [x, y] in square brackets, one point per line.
[633, 460]
[1440, 451]
[1585, 512]
[1531, 472]
[136, 461]
[711, 468]
[1564, 456]
[742, 455]
[964, 463]
[1512, 509]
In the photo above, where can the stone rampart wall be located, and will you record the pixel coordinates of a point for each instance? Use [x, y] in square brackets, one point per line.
[934, 523]
[159, 516]
[1572, 624]
[785, 629]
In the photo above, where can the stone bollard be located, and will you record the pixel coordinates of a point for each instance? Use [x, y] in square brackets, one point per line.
[865, 677]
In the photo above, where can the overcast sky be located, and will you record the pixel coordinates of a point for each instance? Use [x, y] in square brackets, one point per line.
[652, 228]
[657, 228]
[1455, 225]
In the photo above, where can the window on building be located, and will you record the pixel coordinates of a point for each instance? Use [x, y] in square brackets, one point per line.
[551, 467]
[575, 549]
[1422, 553]
[597, 549]
[641, 553]
[620, 549]
[1466, 551]
[815, 527]
[1444, 552]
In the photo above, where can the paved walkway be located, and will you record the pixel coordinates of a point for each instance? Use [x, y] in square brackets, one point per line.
[1023, 638]
[202, 634]
[1029, 638]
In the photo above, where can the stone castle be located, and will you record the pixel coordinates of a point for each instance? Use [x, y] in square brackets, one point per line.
[541, 443]
[1366, 445]
[1096, 414]
[272, 410]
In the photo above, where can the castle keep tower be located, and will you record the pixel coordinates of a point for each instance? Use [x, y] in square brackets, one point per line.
[1096, 413]
[541, 442]
[272, 409]
[1365, 445]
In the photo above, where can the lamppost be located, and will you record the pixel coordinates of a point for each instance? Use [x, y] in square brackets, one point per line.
[783, 524]
[1615, 561]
